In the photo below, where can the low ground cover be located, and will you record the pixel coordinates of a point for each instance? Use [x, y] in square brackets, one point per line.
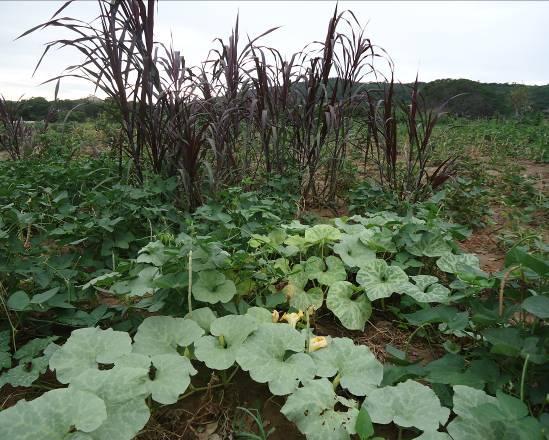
[373, 322]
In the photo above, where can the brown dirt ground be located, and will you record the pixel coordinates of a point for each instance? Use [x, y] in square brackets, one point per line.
[484, 245]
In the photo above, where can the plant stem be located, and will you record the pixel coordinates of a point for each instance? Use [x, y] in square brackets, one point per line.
[210, 387]
[502, 287]
[189, 291]
[13, 328]
[308, 337]
[336, 380]
[523, 376]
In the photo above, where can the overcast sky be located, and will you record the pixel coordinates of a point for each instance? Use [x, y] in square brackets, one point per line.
[483, 41]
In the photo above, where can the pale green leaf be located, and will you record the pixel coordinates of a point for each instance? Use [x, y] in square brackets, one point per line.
[358, 369]
[298, 276]
[353, 251]
[172, 376]
[228, 333]
[24, 374]
[426, 289]
[85, 349]
[124, 420]
[380, 241]
[326, 272]
[141, 285]
[263, 354]
[163, 334]
[53, 415]
[302, 300]
[123, 389]
[352, 312]
[153, 253]
[118, 384]
[34, 347]
[430, 245]
[408, 404]
[491, 418]
[166, 376]
[312, 409]
[466, 399]
[203, 316]
[451, 263]
[259, 314]
[380, 280]
[213, 287]
[322, 234]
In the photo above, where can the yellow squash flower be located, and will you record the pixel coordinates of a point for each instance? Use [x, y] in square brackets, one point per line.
[275, 316]
[292, 318]
[317, 343]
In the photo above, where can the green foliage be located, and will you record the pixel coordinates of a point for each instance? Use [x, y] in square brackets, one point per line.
[123, 263]
[255, 415]
[409, 404]
[86, 349]
[227, 334]
[57, 414]
[312, 409]
[356, 368]
[484, 416]
[264, 355]
[351, 309]
[380, 280]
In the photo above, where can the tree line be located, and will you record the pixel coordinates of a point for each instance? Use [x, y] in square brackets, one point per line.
[463, 97]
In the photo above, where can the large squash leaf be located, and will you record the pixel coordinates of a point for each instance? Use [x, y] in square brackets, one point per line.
[260, 315]
[408, 404]
[322, 234]
[491, 418]
[430, 245]
[167, 376]
[325, 272]
[203, 316]
[85, 349]
[163, 334]
[352, 312]
[358, 369]
[380, 280]
[31, 364]
[53, 416]
[312, 409]
[123, 389]
[353, 251]
[454, 264]
[213, 287]
[295, 292]
[228, 333]
[426, 289]
[266, 355]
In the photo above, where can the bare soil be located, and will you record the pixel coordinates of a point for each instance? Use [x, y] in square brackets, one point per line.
[484, 245]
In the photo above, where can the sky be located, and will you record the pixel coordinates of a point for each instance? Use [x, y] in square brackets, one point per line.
[487, 41]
